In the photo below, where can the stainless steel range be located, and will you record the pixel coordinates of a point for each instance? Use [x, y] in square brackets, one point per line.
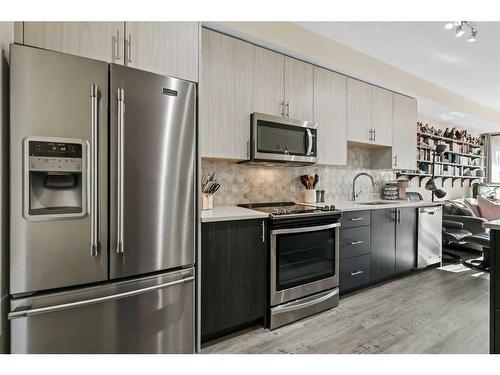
[304, 260]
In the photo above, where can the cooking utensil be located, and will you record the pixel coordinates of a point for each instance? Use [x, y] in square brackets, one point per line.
[304, 180]
[311, 182]
[316, 180]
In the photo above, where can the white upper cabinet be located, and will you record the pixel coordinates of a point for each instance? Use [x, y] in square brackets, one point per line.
[330, 93]
[359, 111]
[167, 48]
[237, 79]
[404, 134]
[382, 116]
[95, 40]
[298, 89]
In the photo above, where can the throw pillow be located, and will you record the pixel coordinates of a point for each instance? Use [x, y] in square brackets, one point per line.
[471, 203]
[489, 210]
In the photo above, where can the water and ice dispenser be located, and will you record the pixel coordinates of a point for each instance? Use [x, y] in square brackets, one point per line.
[55, 178]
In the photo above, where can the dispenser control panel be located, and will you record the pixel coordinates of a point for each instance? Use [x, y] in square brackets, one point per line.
[55, 156]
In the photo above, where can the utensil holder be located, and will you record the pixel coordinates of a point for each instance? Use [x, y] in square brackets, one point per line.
[310, 196]
[207, 201]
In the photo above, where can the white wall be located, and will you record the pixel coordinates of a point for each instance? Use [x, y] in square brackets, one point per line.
[6, 37]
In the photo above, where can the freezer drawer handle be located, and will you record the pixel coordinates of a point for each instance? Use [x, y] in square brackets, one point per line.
[65, 306]
[94, 186]
[119, 215]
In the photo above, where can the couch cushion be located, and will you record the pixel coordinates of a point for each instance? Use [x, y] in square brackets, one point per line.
[456, 207]
[488, 209]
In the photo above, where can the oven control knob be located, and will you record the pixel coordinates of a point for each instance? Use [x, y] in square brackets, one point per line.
[332, 208]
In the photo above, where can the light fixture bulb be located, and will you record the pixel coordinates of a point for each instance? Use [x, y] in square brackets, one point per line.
[473, 36]
[459, 31]
[449, 26]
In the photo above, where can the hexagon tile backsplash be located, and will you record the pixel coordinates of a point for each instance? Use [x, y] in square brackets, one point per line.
[244, 183]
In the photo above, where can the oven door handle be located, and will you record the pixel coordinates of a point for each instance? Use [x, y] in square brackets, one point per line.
[292, 306]
[305, 229]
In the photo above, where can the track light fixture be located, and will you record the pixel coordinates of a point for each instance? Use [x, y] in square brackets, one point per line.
[460, 28]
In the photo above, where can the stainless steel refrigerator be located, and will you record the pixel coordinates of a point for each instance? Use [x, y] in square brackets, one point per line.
[103, 215]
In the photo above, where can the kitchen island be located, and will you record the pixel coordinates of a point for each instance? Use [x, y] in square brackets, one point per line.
[494, 227]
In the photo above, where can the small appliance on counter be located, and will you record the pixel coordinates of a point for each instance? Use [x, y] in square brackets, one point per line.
[304, 260]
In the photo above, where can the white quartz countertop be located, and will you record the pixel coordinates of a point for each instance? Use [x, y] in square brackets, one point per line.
[363, 206]
[494, 224]
[226, 213]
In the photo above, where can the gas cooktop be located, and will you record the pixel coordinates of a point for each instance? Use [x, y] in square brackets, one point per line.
[291, 209]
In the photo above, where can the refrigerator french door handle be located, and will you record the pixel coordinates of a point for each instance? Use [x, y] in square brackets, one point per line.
[94, 184]
[70, 305]
[120, 146]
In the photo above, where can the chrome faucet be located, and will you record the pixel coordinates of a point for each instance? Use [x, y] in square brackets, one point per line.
[354, 194]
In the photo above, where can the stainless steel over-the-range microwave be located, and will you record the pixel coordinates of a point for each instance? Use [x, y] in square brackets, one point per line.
[281, 139]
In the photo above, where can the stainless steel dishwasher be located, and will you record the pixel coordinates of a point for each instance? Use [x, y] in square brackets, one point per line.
[430, 222]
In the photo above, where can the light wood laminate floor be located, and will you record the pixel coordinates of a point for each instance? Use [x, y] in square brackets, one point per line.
[434, 311]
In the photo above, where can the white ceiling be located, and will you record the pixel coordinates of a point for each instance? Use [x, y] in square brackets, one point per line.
[429, 51]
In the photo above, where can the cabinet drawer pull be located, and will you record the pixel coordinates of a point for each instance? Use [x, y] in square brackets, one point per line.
[359, 242]
[357, 219]
[358, 272]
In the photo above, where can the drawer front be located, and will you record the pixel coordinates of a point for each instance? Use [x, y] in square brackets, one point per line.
[354, 242]
[354, 272]
[355, 219]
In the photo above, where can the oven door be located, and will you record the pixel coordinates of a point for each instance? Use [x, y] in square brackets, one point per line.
[282, 139]
[304, 261]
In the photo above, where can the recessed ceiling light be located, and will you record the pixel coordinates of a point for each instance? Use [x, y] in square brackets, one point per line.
[449, 26]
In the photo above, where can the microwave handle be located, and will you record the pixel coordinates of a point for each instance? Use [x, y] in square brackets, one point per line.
[309, 142]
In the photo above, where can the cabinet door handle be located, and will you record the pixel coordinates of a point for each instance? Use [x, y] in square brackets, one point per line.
[374, 134]
[263, 232]
[282, 104]
[357, 219]
[398, 216]
[359, 242]
[287, 108]
[117, 57]
[129, 48]
[358, 272]
[370, 135]
[395, 160]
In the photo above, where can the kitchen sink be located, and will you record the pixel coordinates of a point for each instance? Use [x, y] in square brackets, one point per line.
[373, 203]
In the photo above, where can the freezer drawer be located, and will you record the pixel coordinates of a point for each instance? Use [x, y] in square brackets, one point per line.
[149, 315]
[430, 222]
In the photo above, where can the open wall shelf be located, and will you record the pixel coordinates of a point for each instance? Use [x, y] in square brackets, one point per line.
[424, 176]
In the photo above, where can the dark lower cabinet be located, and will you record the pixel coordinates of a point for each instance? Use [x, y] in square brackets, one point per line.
[383, 254]
[406, 239]
[354, 272]
[233, 276]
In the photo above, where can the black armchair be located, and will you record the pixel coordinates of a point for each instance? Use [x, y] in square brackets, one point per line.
[461, 229]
